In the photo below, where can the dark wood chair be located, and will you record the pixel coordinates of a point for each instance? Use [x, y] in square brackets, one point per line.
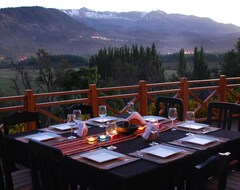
[19, 117]
[222, 113]
[164, 103]
[210, 174]
[85, 109]
[47, 167]
[12, 178]
[213, 174]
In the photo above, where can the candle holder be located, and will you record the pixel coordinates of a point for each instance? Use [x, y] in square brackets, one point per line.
[91, 140]
[102, 138]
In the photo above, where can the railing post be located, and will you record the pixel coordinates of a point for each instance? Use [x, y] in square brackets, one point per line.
[222, 89]
[29, 105]
[143, 107]
[184, 94]
[93, 98]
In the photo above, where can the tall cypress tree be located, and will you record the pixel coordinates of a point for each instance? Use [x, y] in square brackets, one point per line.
[181, 70]
[200, 68]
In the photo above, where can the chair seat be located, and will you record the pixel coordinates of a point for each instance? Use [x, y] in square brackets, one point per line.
[22, 179]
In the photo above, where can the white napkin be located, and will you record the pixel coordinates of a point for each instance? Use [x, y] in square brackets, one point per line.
[82, 129]
[136, 118]
[147, 135]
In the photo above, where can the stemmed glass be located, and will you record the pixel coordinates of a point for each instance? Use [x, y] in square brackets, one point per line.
[102, 111]
[71, 123]
[172, 115]
[111, 130]
[190, 118]
[153, 127]
[130, 107]
[77, 117]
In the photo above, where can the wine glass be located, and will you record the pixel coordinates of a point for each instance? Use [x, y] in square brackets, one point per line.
[190, 118]
[111, 130]
[77, 117]
[172, 115]
[130, 107]
[102, 111]
[153, 127]
[71, 123]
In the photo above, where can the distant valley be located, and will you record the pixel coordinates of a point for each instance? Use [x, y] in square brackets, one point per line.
[83, 32]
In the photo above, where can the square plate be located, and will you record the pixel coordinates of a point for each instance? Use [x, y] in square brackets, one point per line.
[162, 151]
[194, 126]
[61, 127]
[150, 117]
[42, 136]
[103, 120]
[199, 139]
[102, 155]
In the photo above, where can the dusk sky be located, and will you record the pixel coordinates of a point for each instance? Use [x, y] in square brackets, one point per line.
[223, 11]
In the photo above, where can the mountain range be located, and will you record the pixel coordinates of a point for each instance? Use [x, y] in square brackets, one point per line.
[83, 31]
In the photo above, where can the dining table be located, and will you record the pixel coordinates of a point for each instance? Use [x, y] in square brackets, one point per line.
[134, 164]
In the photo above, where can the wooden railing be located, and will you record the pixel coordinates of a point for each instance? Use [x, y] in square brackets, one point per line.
[195, 93]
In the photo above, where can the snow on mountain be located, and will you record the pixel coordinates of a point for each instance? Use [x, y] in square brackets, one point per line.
[84, 12]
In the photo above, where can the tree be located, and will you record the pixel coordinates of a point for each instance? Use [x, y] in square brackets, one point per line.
[231, 65]
[181, 70]
[125, 65]
[200, 68]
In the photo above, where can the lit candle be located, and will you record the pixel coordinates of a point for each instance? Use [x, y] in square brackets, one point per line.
[142, 128]
[102, 138]
[91, 140]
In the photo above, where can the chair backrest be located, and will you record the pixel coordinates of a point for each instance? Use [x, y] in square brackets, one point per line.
[214, 168]
[19, 117]
[47, 167]
[164, 103]
[2, 178]
[224, 114]
[85, 109]
[7, 164]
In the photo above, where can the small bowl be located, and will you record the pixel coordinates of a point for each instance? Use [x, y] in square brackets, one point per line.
[125, 127]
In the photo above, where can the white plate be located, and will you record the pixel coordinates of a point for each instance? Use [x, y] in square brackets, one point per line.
[61, 127]
[42, 136]
[199, 139]
[103, 120]
[102, 155]
[150, 117]
[162, 151]
[194, 126]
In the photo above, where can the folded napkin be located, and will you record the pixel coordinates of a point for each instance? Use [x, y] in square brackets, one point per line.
[82, 129]
[147, 135]
[136, 118]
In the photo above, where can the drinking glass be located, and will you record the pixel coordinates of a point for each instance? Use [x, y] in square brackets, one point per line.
[190, 118]
[111, 130]
[77, 117]
[102, 111]
[71, 123]
[172, 115]
[130, 107]
[153, 127]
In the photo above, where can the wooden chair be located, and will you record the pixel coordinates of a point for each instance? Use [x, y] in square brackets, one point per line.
[47, 167]
[85, 109]
[210, 174]
[223, 114]
[18, 118]
[12, 178]
[164, 103]
[213, 174]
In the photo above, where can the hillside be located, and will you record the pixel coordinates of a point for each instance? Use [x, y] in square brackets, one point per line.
[83, 32]
[26, 29]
